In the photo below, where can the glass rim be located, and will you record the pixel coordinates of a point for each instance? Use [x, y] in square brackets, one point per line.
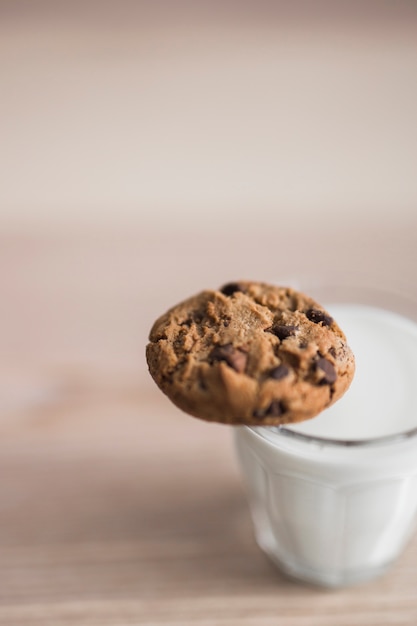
[281, 430]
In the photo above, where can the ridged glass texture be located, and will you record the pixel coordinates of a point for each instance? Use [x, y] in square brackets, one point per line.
[329, 515]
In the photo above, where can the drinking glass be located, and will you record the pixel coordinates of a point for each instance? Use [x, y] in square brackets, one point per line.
[338, 511]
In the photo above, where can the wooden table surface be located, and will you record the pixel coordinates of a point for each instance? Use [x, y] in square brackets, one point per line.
[115, 508]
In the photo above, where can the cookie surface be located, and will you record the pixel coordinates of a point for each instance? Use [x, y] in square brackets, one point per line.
[250, 353]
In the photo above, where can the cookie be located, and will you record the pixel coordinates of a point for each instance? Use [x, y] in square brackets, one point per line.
[250, 353]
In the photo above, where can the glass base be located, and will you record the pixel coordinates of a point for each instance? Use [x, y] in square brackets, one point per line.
[332, 579]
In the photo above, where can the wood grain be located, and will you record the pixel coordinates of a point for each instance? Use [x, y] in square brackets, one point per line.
[115, 508]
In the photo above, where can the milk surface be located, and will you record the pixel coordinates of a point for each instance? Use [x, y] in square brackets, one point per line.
[382, 399]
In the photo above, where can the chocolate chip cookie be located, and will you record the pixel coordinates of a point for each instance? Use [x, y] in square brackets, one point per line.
[250, 353]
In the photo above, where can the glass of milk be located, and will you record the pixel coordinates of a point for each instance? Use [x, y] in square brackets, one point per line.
[334, 499]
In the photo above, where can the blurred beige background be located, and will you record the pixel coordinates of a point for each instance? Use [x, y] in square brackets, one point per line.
[143, 111]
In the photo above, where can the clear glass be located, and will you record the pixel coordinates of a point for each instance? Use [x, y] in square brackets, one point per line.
[333, 512]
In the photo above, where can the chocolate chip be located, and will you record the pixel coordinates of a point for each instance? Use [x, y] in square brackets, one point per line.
[198, 317]
[234, 357]
[282, 331]
[316, 316]
[330, 375]
[275, 409]
[230, 288]
[279, 372]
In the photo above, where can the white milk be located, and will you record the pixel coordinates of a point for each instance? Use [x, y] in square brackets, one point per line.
[331, 513]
